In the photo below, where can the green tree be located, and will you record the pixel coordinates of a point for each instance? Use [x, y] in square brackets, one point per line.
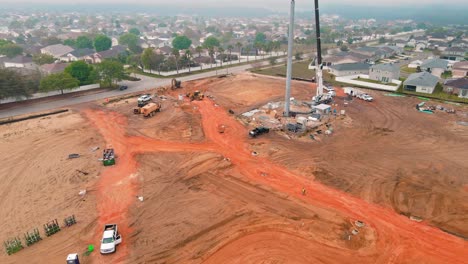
[211, 42]
[109, 72]
[382, 40]
[58, 81]
[102, 42]
[181, 42]
[188, 59]
[298, 55]
[350, 40]
[11, 50]
[69, 42]
[134, 31]
[344, 48]
[50, 41]
[339, 43]
[131, 40]
[221, 55]
[272, 60]
[81, 71]
[230, 48]
[83, 42]
[13, 84]
[42, 59]
[239, 46]
[260, 38]
[176, 54]
[150, 60]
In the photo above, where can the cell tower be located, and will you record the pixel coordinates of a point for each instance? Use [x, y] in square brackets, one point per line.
[318, 61]
[289, 68]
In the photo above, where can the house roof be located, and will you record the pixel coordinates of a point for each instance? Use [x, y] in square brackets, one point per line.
[57, 50]
[18, 59]
[462, 65]
[54, 67]
[386, 67]
[422, 79]
[351, 67]
[112, 53]
[82, 52]
[461, 83]
[434, 63]
[455, 49]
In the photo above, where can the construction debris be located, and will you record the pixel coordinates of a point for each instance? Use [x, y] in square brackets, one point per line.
[13, 245]
[32, 237]
[355, 232]
[69, 221]
[359, 223]
[416, 219]
[73, 156]
[51, 227]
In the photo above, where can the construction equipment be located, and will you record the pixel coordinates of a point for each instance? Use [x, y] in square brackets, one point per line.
[148, 110]
[33, 237]
[13, 245]
[197, 95]
[108, 157]
[110, 239]
[175, 84]
[322, 99]
[69, 221]
[258, 131]
[51, 227]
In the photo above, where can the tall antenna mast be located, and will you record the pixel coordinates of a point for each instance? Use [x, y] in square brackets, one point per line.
[289, 67]
[318, 61]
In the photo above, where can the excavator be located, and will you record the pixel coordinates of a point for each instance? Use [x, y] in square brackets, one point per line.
[197, 95]
[175, 84]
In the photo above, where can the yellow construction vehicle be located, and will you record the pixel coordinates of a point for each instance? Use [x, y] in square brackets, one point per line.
[197, 95]
[148, 110]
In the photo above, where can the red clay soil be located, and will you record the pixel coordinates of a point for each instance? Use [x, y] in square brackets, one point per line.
[399, 240]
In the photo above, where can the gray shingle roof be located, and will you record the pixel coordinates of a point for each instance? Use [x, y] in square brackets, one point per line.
[82, 52]
[351, 66]
[461, 83]
[385, 67]
[422, 79]
[434, 63]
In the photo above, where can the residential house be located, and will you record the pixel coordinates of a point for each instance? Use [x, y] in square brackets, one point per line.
[435, 66]
[439, 45]
[420, 46]
[415, 64]
[76, 55]
[454, 53]
[19, 62]
[53, 68]
[166, 50]
[400, 43]
[459, 43]
[98, 57]
[384, 73]
[421, 82]
[57, 50]
[349, 69]
[457, 86]
[460, 69]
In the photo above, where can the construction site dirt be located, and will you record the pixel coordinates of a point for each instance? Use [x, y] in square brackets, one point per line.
[208, 199]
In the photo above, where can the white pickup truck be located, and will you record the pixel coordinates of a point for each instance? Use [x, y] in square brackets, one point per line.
[110, 239]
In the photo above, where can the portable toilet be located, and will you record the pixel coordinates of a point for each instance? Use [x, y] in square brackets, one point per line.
[73, 259]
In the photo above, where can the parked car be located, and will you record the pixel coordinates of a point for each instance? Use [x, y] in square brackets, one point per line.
[144, 100]
[367, 97]
[123, 87]
[258, 131]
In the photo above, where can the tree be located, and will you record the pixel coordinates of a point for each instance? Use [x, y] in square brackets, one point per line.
[13, 84]
[102, 42]
[69, 42]
[134, 31]
[42, 59]
[221, 54]
[151, 60]
[344, 48]
[109, 72]
[199, 49]
[50, 41]
[298, 55]
[211, 42]
[131, 40]
[181, 42]
[211, 52]
[11, 50]
[239, 46]
[176, 54]
[339, 43]
[350, 40]
[58, 81]
[272, 60]
[248, 49]
[382, 40]
[81, 71]
[188, 58]
[83, 42]
[230, 48]
[260, 38]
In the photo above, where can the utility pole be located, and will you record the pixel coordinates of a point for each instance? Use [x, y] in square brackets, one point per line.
[289, 67]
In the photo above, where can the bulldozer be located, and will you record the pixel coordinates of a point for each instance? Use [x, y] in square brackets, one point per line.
[148, 110]
[175, 84]
[197, 95]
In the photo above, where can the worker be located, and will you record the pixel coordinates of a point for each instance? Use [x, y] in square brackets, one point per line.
[303, 191]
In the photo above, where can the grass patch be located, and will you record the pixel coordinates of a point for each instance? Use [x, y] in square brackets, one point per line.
[300, 70]
[408, 70]
[374, 81]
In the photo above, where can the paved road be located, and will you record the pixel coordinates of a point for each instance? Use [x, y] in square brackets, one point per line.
[145, 83]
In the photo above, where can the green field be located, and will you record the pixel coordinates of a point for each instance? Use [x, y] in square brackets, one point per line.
[408, 70]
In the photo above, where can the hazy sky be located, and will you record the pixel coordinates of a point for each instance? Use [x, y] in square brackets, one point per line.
[270, 4]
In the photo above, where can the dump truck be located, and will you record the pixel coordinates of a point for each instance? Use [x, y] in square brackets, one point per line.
[148, 110]
[110, 239]
[197, 95]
